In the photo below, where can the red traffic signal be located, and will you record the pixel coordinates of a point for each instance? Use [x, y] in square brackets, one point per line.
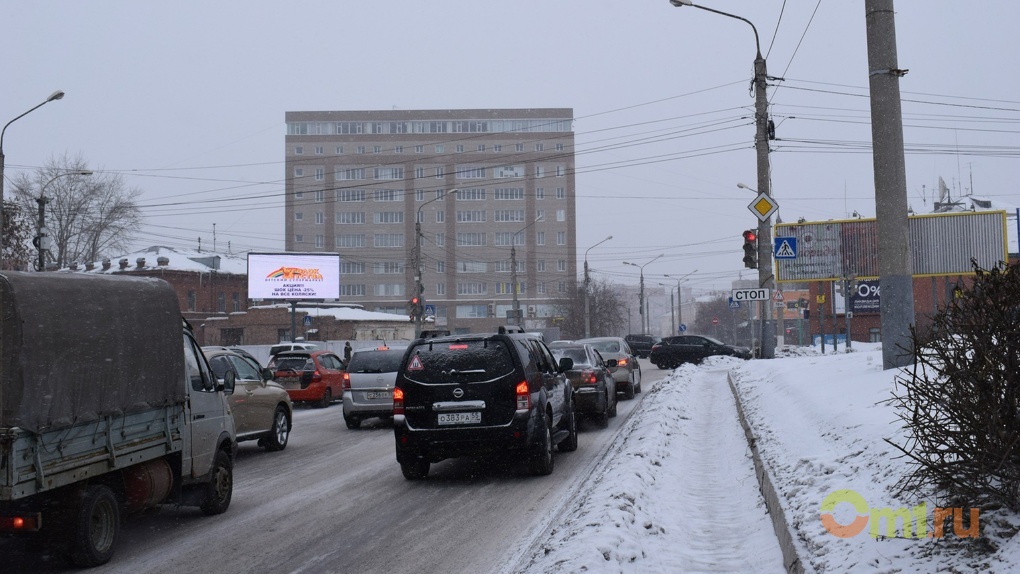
[750, 249]
[414, 301]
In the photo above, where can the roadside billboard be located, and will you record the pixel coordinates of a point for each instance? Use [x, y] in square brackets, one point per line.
[293, 276]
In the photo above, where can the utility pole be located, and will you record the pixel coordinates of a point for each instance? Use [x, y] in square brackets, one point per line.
[894, 265]
[42, 241]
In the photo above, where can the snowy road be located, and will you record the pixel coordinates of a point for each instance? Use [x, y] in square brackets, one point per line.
[677, 494]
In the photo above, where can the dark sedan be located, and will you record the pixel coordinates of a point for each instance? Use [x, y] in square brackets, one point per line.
[594, 386]
[671, 352]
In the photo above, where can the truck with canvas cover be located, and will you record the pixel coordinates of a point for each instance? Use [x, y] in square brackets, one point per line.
[107, 406]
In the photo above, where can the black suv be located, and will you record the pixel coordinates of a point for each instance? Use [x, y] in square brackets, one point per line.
[641, 344]
[479, 394]
[671, 352]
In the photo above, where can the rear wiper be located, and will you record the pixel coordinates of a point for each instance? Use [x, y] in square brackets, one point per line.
[466, 372]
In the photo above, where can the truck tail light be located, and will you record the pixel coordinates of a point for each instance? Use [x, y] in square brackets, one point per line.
[20, 522]
[523, 396]
[398, 401]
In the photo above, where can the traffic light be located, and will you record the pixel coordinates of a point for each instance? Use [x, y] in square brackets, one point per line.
[415, 307]
[751, 249]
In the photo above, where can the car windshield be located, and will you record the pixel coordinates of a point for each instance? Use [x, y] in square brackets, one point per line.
[376, 361]
[579, 357]
[606, 346]
[467, 361]
[292, 364]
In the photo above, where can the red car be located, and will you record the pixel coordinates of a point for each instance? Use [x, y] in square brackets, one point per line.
[310, 376]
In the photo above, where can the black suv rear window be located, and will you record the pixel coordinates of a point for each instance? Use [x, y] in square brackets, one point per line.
[376, 361]
[459, 361]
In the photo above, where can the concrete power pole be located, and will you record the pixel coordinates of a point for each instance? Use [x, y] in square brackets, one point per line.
[894, 265]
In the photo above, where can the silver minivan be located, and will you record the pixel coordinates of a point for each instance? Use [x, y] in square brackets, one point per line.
[368, 383]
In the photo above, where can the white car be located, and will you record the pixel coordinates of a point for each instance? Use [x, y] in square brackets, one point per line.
[368, 384]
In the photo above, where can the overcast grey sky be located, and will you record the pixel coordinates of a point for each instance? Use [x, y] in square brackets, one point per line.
[187, 99]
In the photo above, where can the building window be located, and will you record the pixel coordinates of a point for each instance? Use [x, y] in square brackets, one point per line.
[561, 238]
[398, 149]
[319, 150]
[472, 311]
[419, 149]
[559, 147]
[387, 195]
[388, 240]
[540, 265]
[350, 240]
[419, 217]
[440, 216]
[440, 266]
[299, 150]
[320, 218]
[361, 149]
[561, 193]
[221, 302]
[440, 195]
[540, 288]
[350, 290]
[299, 172]
[419, 172]
[389, 289]
[376, 149]
[539, 215]
[539, 193]
[440, 288]
[320, 196]
[561, 215]
[460, 148]
[562, 286]
[388, 268]
[352, 268]
[472, 267]
[477, 216]
[299, 216]
[320, 241]
[470, 240]
[389, 217]
[471, 194]
[503, 238]
[439, 148]
[539, 172]
[350, 195]
[440, 173]
[389, 173]
[419, 195]
[539, 146]
[349, 174]
[350, 217]
[509, 215]
[519, 147]
[481, 147]
[508, 193]
[299, 238]
[339, 150]
[497, 148]
[539, 238]
[192, 300]
[561, 265]
[440, 239]
[561, 171]
[473, 288]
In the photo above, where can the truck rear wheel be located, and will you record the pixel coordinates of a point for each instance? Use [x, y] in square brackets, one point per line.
[96, 527]
[221, 485]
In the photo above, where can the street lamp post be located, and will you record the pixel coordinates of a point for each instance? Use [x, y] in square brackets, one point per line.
[418, 287]
[761, 145]
[54, 96]
[641, 293]
[513, 272]
[42, 240]
[587, 312]
[679, 299]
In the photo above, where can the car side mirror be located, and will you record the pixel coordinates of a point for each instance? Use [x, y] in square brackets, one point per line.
[226, 385]
[612, 363]
[267, 374]
[566, 363]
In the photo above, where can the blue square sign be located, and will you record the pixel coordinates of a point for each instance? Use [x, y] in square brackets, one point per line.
[785, 247]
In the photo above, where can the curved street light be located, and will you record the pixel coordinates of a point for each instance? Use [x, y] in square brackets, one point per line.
[587, 312]
[641, 293]
[54, 96]
[42, 239]
[761, 144]
[679, 299]
[418, 287]
[513, 271]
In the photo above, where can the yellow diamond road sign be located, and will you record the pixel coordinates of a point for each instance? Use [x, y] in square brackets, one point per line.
[763, 207]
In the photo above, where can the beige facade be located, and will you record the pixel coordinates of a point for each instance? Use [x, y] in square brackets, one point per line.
[488, 188]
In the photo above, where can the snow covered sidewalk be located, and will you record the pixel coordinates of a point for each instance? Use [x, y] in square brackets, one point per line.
[677, 493]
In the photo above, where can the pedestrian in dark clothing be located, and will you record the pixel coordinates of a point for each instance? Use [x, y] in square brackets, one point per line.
[347, 352]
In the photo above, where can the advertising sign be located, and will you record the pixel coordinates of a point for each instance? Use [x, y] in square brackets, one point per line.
[293, 276]
[865, 298]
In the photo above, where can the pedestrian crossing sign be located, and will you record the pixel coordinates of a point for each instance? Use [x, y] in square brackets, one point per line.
[785, 247]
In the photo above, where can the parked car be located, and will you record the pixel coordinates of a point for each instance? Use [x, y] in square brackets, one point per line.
[594, 386]
[627, 371]
[237, 350]
[309, 376]
[672, 352]
[368, 384]
[261, 408]
[292, 347]
[470, 395]
[641, 344]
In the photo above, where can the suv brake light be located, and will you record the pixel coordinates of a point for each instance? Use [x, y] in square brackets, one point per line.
[621, 363]
[398, 401]
[588, 377]
[345, 381]
[523, 396]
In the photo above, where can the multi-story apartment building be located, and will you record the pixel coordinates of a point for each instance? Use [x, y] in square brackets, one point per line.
[492, 192]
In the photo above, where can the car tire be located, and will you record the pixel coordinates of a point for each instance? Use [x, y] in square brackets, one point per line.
[628, 393]
[327, 398]
[279, 434]
[602, 420]
[542, 457]
[352, 422]
[220, 488]
[569, 444]
[637, 388]
[96, 527]
[417, 469]
[612, 409]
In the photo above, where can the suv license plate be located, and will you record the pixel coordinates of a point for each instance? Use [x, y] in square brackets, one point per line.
[378, 395]
[460, 418]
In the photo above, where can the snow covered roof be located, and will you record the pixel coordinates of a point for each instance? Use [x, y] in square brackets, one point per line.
[171, 258]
